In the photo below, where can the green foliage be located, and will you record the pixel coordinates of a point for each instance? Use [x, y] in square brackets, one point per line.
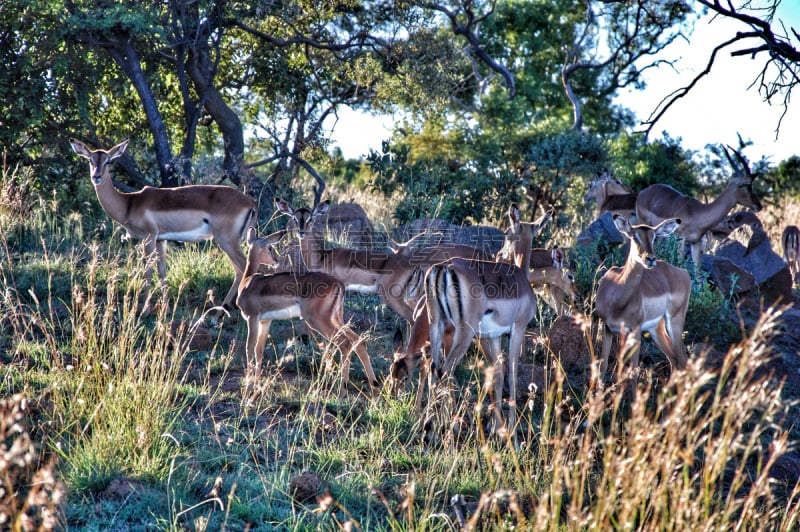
[640, 164]
[784, 179]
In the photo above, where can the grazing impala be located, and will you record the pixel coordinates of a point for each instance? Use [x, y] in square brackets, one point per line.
[486, 300]
[791, 245]
[644, 295]
[184, 214]
[315, 297]
[548, 274]
[660, 202]
[611, 195]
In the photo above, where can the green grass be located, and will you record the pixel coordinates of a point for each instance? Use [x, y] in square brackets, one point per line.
[147, 433]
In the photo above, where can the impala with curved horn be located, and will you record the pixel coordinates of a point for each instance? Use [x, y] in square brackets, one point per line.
[791, 244]
[644, 295]
[315, 297]
[183, 214]
[660, 202]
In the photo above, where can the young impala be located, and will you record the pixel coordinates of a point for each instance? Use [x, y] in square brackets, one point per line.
[184, 214]
[791, 245]
[315, 297]
[644, 295]
[660, 202]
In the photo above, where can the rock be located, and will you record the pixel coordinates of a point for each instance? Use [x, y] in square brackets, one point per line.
[602, 228]
[568, 343]
[437, 232]
[199, 338]
[306, 486]
[344, 223]
[749, 250]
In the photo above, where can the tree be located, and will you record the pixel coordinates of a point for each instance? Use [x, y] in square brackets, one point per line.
[765, 38]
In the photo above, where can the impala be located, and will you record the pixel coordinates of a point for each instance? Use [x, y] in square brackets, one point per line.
[554, 285]
[315, 297]
[791, 244]
[644, 295]
[184, 214]
[660, 202]
[611, 195]
[486, 300]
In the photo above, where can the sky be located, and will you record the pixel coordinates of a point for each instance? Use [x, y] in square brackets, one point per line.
[721, 105]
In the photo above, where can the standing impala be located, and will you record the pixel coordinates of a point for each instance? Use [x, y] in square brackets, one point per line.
[644, 295]
[315, 297]
[184, 214]
[660, 202]
[791, 245]
[486, 300]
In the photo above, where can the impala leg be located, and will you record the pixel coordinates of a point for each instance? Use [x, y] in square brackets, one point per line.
[257, 332]
[516, 344]
[161, 249]
[355, 343]
[606, 350]
[696, 250]
[491, 348]
[238, 259]
[424, 373]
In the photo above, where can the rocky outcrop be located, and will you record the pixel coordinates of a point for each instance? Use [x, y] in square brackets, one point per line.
[746, 265]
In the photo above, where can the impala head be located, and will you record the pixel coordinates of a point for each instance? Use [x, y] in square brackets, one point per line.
[302, 217]
[604, 185]
[643, 236]
[99, 160]
[742, 179]
[259, 250]
[403, 364]
[569, 283]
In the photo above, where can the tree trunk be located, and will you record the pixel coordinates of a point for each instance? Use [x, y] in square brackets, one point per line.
[124, 54]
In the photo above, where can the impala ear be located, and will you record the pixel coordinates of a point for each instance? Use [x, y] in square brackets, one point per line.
[283, 206]
[513, 213]
[622, 224]
[321, 209]
[397, 341]
[667, 227]
[117, 151]
[80, 148]
[251, 235]
[558, 257]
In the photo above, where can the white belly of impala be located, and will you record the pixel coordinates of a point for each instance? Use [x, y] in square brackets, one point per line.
[281, 314]
[202, 232]
[362, 288]
[489, 328]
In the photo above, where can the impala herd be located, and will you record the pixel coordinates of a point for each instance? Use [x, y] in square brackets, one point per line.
[449, 294]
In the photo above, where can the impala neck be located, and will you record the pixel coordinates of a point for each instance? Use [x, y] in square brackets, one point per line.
[718, 209]
[311, 250]
[525, 245]
[114, 202]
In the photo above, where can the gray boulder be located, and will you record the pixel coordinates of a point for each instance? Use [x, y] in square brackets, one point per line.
[747, 257]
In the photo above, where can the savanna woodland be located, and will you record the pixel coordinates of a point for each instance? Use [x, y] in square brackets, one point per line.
[135, 403]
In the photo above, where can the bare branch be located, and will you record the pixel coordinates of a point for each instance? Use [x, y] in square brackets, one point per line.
[469, 30]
